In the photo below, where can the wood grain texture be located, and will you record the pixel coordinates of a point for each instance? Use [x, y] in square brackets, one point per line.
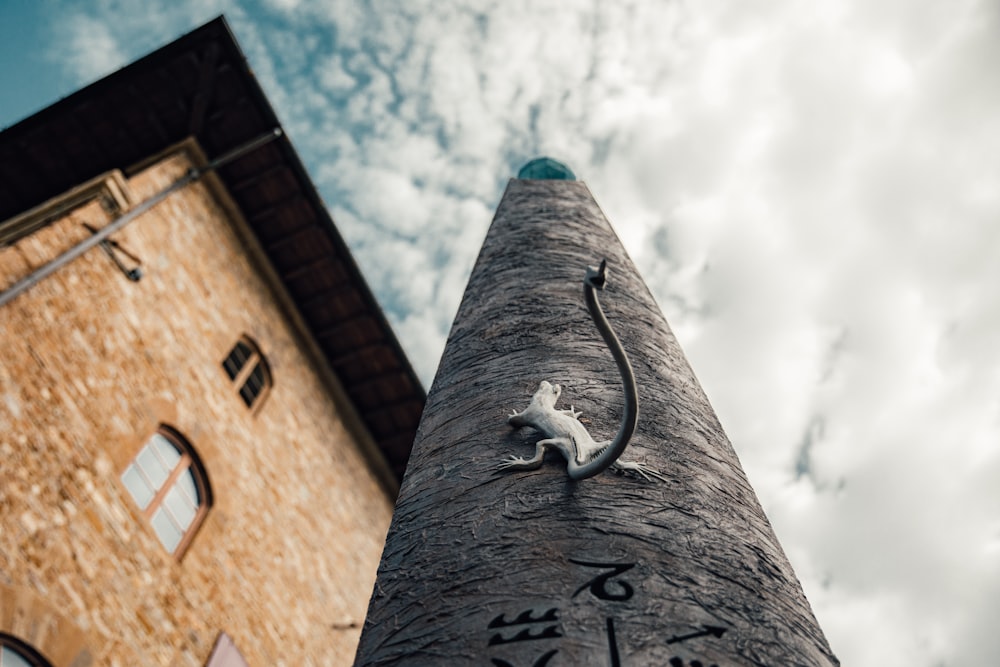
[469, 543]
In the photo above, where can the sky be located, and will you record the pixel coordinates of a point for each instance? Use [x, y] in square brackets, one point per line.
[811, 191]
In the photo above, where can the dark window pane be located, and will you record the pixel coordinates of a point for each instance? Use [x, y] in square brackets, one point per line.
[232, 370]
[253, 386]
[247, 395]
[236, 359]
[256, 379]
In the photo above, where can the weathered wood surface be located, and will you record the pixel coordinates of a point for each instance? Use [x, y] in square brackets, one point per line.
[469, 543]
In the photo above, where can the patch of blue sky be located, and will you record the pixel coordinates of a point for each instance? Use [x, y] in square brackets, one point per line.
[28, 77]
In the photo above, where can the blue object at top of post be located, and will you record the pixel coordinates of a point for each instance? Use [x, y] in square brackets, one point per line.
[545, 168]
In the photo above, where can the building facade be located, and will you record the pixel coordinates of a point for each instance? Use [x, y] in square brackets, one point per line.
[204, 417]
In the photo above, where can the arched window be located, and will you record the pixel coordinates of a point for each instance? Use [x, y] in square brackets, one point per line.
[249, 370]
[169, 484]
[15, 653]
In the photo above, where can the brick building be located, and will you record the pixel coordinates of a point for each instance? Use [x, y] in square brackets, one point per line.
[204, 417]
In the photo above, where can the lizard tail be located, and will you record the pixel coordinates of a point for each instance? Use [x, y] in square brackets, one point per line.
[595, 280]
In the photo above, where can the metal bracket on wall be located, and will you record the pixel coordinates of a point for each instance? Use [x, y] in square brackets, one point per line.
[112, 248]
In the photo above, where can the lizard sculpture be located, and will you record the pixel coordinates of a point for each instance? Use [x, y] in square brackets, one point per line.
[563, 430]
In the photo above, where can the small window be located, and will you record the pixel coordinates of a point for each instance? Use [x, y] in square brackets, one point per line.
[248, 369]
[168, 483]
[15, 653]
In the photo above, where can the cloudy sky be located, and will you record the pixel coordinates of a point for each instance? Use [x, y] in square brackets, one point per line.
[811, 190]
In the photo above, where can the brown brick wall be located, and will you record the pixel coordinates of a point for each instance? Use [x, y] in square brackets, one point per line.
[92, 363]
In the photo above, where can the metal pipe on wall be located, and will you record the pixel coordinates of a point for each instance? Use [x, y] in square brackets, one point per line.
[102, 234]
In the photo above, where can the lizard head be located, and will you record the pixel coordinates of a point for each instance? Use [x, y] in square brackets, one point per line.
[547, 393]
[597, 277]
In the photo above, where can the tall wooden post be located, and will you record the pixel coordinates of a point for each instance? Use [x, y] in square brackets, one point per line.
[484, 566]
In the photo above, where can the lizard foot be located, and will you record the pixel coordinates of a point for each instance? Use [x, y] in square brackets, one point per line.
[516, 419]
[518, 463]
[571, 412]
[641, 469]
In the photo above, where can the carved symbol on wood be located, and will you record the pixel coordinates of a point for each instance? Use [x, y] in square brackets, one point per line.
[713, 630]
[677, 662]
[525, 618]
[525, 635]
[599, 584]
[599, 589]
[605, 586]
[616, 660]
[541, 662]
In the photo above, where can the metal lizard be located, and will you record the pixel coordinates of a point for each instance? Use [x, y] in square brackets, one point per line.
[562, 428]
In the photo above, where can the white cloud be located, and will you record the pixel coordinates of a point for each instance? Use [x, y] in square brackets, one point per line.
[333, 77]
[89, 48]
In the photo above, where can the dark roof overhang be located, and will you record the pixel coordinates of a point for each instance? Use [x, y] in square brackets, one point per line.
[201, 86]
